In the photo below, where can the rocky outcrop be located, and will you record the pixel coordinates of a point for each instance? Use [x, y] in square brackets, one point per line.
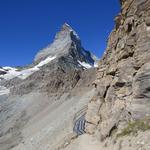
[123, 75]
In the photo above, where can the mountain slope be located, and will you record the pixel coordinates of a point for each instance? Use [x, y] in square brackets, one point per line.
[39, 102]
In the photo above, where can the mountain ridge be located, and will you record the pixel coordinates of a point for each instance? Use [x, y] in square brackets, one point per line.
[38, 94]
[66, 41]
[66, 44]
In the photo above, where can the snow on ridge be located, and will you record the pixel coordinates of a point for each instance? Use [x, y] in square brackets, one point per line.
[46, 61]
[85, 65]
[13, 72]
[25, 73]
[9, 68]
[95, 65]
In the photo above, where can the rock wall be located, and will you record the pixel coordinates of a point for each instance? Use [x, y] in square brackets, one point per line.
[123, 75]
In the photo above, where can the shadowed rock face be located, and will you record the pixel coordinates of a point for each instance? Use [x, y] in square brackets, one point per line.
[2, 71]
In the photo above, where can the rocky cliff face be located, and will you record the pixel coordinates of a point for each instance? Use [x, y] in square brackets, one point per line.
[121, 107]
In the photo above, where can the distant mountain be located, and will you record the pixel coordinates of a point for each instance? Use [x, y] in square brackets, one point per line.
[67, 45]
[46, 95]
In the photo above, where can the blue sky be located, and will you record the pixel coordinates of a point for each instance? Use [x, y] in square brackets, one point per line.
[26, 26]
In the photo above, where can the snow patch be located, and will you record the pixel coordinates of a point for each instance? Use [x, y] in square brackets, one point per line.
[95, 65]
[9, 68]
[25, 73]
[85, 65]
[13, 72]
[46, 61]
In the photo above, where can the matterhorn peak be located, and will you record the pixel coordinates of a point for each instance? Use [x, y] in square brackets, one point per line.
[66, 43]
[66, 26]
[67, 32]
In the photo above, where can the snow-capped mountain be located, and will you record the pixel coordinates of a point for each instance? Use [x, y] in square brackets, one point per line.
[38, 102]
[66, 44]
[10, 73]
